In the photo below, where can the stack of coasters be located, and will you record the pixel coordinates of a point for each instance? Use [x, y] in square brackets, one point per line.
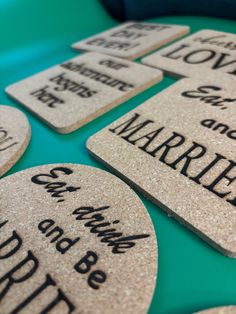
[71, 94]
[178, 149]
[74, 239]
[202, 55]
[15, 133]
[133, 39]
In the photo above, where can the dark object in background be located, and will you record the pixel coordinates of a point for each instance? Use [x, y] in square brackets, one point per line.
[141, 9]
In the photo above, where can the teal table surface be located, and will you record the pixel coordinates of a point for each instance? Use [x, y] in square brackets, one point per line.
[37, 34]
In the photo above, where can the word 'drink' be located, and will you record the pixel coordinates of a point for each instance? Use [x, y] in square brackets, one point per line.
[74, 239]
[179, 149]
[132, 39]
[71, 94]
[203, 54]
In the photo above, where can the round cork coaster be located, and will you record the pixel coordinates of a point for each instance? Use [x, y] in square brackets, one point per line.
[74, 239]
[220, 310]
[15, 135]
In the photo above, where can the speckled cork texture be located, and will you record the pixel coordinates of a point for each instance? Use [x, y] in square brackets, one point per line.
[178, 149]
[15, 133]
[71, 94]
[132, 39]
[75, 239]
[207, 53]
[220, 310]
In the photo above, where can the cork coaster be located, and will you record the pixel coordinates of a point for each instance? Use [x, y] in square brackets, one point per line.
[179, 149]
[15, 135]
[201, 55]
[132, 39]
[220, 310]
[74, 239]
[71, 94]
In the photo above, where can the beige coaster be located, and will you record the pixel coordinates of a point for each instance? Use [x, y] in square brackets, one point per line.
[179, 149]
[15, 135]
[220, 310]
[201, 55]
[132, 39]
[74, 239]
[69, 95]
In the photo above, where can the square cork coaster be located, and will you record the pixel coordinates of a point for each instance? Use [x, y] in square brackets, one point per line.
[201, 55]
[178, 149]
[71, 94]
[132, 39]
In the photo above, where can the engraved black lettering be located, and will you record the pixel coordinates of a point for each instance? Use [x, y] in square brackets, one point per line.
[11, 278]
[113, 64]
[4, 139]
[197, 178]
[66, 84]
[233, 201]
[188, 159]
[214, 100]
[95, 278]
[171, 54]
[150, 138]
[47, 283]
[62, 244]
[8, 244]
[61, 297]
[214, 40]
[208, 123]
[84, 265]
[45, 225]
[201, 90]
[66, 244]
[224, 175]
[201, 56]
[232, 134]
[223, 128]
[44, 96]
[3, 223]
[82, 212]
[54, 173]
[148, 27]
[174, 141]
[197, 149]
[128, 34]
[219, 62]
[56, 189]
[98, 76]
[120, 245]
[110, 236]
[128, 126]
[57, 232]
